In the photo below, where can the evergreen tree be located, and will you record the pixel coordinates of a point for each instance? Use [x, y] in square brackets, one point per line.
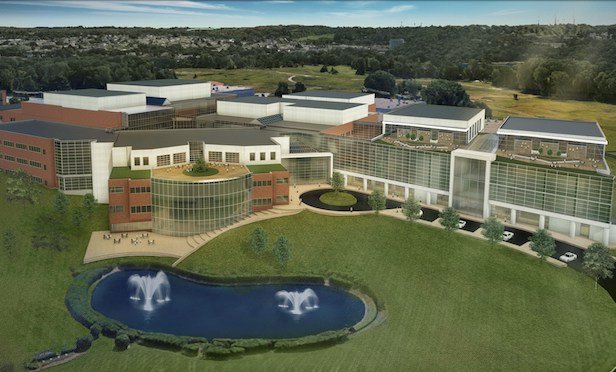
[493, 230]
[598, 262]
[282, 251]
[377, 201]
[411, 209]
[450, 219]
[543, 243]
[258, 240]
[337, 182]
[61, 204]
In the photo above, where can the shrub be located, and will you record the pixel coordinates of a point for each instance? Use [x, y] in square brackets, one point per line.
[540, 150]
[258, 240]
[218, 351]
[67, 350]
[328, 337]
[192, 350]
[282, 251]
[95, 330]
[414, 136]
[421, 138]
[549, 152]
[408, 135]
[122, 341]
[83, 343]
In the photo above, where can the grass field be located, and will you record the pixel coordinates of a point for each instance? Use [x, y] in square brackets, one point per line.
[340, 199]
[451, 300]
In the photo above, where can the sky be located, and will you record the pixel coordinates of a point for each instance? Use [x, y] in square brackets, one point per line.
[204, 14]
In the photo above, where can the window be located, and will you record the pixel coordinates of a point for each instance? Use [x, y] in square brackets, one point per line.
[8, 143]
[232, 157]
[282, 180]
[262, 183]
[179, 158]
[139, 190]
[22, 161]
[116, 208]
[141, 209]
[262, 156]
[262, 202]
[146, 160]
[282, 199]
[36, 164]
[21, 146]
[273, 155]
[215, 156]
[34, 148]
[9, 157]
[116, 189]
[252, 156]
[163, 160]
[137, 161]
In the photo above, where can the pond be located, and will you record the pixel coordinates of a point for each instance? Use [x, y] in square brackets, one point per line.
[185, 307]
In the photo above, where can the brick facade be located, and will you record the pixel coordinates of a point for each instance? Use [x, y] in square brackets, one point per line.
[126, 199]
[277, 192]
[59, 114]
[39, 164]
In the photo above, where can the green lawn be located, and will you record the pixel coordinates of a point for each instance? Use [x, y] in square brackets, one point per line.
[339, 199]
[266, 168]
[206, 173]
[126, 172]
[451, 300]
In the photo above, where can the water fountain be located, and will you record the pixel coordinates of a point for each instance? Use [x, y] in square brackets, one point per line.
[154, 288]
[294, 301]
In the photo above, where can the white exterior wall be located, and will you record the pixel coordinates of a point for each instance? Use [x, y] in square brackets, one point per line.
[120, 156]
[101, 169]
[172, 93]
[285, 144]
[94, 103]
[245, 152]
[324, 116]
[247, 110]
[153, 153]
[434, 123]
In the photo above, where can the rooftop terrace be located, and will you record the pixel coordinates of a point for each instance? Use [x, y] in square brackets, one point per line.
[176, 173]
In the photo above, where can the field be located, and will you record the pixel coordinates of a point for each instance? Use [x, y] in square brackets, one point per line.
[451, 301]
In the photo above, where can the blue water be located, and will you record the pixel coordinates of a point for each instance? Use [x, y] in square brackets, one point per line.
[242, 311]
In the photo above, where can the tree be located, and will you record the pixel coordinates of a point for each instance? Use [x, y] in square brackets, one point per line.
[9, 241]
[122, 341]
[283, 88]
[450, 219]
[377, 201]
[598, 262]
[47, 232]
[19, 187]
[258, 240]
[411, 209]
[360, 66]
[333, 71]
[89, 204]
[409, 88]
[323, 69]
[83, 343]
[493, 230]
[337, 182]
[382, 81]
[282, 251]
[200, 166]
[543, 243]
[444, 92]
[299, 87]
[78, 218]
[61, 204]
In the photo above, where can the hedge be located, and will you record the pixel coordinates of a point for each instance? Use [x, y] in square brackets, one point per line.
[77, 301]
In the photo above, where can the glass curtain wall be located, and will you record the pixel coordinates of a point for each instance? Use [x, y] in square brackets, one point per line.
[303, 171]
[469, 185]
[181, 208]
[73, 163]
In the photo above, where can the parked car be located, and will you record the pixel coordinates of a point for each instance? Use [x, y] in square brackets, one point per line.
[568, 257]
[507, 235]
[461, 224]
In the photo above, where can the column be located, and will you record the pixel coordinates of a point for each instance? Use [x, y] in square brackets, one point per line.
[385, 188]
[514, 216]
[406, 193]
[346, 180]
[365, 184]
[428, 198]
[606, 236]
[541, 221]
[572, 229]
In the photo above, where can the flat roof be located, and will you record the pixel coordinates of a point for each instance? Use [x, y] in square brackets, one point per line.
[12, 106]
[257, 100]
[329, 94]
[152, 139]
[548, 126]
[266, 168]
[162, 82]
[177, 173]
[326, 105]
[94, 93]
[437, 112]
[60, 131]
[294, 125]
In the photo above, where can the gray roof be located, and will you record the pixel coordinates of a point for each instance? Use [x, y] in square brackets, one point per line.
[152, 139]
[326, 105]
[161, 82]
[293, 125]
[60, 131]
[95, 93]
[329, 94]
[554, 126]
[12, 106]
[437, 112]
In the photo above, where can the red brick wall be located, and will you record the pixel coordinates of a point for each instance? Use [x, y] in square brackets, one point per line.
[270, 192]
[59, 114]
[140, 199]
[280, 189]
[3, 97]
[47, 172]
[127, 200]
[372, 107]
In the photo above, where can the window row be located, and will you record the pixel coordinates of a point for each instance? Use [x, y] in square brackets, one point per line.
[22, 146]
[230, 157]
[32, 163]
[258, 202]
[116, 189]
[262, 156]
[141, 209]
[140, 190]
[116, 208]
[262, 183]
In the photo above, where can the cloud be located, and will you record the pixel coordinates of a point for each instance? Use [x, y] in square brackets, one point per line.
[278, 1]
[400, 8]
[507, 12]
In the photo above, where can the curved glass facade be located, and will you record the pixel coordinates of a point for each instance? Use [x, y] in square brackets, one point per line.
[183, 208]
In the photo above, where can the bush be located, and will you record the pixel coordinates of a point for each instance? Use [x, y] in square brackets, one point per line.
[421, 138]
[67, 350]
[549, 152]
[83, 343]
[258, 240]
[413, 136]
[328, 337]
[192, 350]
[219, 352]
[95, 331]
[122, 341]
[540, 150]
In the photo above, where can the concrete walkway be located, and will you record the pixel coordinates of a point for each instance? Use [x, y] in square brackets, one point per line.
[164, 245]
